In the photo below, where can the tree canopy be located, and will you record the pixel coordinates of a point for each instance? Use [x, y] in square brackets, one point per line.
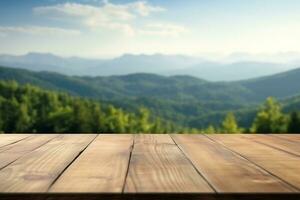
[229, 125]
[270, 118]
[31, 109]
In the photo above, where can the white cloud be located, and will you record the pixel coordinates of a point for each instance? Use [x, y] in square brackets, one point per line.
[107, 12]
[163, 29]
[107, 15]
[144, 9]
[37, 30]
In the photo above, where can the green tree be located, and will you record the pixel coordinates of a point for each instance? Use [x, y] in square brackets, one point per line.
[2, 101]
[81, 119]
[22, 123]
[210, 130]
[294, 123]
[113, 121]
[157, 126]
[143, 125]
[10, 110]
[229, 125]
[60, 121]
[270, 118]
[98, 117]
[31, 109]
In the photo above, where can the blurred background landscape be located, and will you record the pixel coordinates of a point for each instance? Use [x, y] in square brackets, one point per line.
[130, 66]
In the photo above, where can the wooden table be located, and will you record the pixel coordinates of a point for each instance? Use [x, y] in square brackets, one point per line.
[149, 166]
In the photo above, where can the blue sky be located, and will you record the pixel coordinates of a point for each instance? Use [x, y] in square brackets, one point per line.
[102, 28]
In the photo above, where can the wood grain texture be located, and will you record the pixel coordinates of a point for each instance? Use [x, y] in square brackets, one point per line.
[6, 139]
[102, 167]
[106, 166]
[158, 165]
[12, 152]
[291, 146]
[279, 163]
[37, 170]
[224, 169]
[289, 137]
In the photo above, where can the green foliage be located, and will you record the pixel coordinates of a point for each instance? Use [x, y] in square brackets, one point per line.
[142, 124]
[185, 101]
[294, 123]
[270, 118]
[143, 103]
[210, 130]
[281, 85]
[229, 125]
[31, 109]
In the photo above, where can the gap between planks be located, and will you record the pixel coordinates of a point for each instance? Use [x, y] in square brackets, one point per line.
[270, 140]
[131, 166]
[102, 167]
[7, 139]
[225, 170]
[68, 165]
[35, 171]
[159, 166]
[14, 151]
[135, 161]
[280, 164]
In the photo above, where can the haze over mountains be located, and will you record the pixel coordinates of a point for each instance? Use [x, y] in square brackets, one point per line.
[234, 67]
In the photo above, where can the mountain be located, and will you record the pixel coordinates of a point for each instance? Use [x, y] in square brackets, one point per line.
[175, 88]
[49, 80]
[279, 57]
[233, 71]
[186, 100]
[49, 62]
[174, 98]
[280, 85]
[32, 109]
[33, 61]
[156, 63]
[125, 64]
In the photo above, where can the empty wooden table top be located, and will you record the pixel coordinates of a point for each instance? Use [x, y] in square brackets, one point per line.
[126, 164]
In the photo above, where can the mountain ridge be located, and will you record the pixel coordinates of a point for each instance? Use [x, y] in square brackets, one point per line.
[154, 63]
[188, 101]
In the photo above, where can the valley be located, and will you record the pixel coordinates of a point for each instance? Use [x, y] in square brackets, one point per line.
[184, 100]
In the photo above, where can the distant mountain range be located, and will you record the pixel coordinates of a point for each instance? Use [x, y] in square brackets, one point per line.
[157, 64]
[179, 87]
[186, 100]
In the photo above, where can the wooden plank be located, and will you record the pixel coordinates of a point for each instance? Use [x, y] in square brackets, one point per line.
[6, 139]
[37, 170]
[289, 137]
[158, 165]
[225, 170]
[102, 167]
[291, 146]
[284, 165]
[12, 152]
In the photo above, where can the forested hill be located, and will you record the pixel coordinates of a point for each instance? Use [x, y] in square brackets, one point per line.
[185, 100]
[178, 88]
[231, 68]
[49, 80]
[280, 85]
[31, 109]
